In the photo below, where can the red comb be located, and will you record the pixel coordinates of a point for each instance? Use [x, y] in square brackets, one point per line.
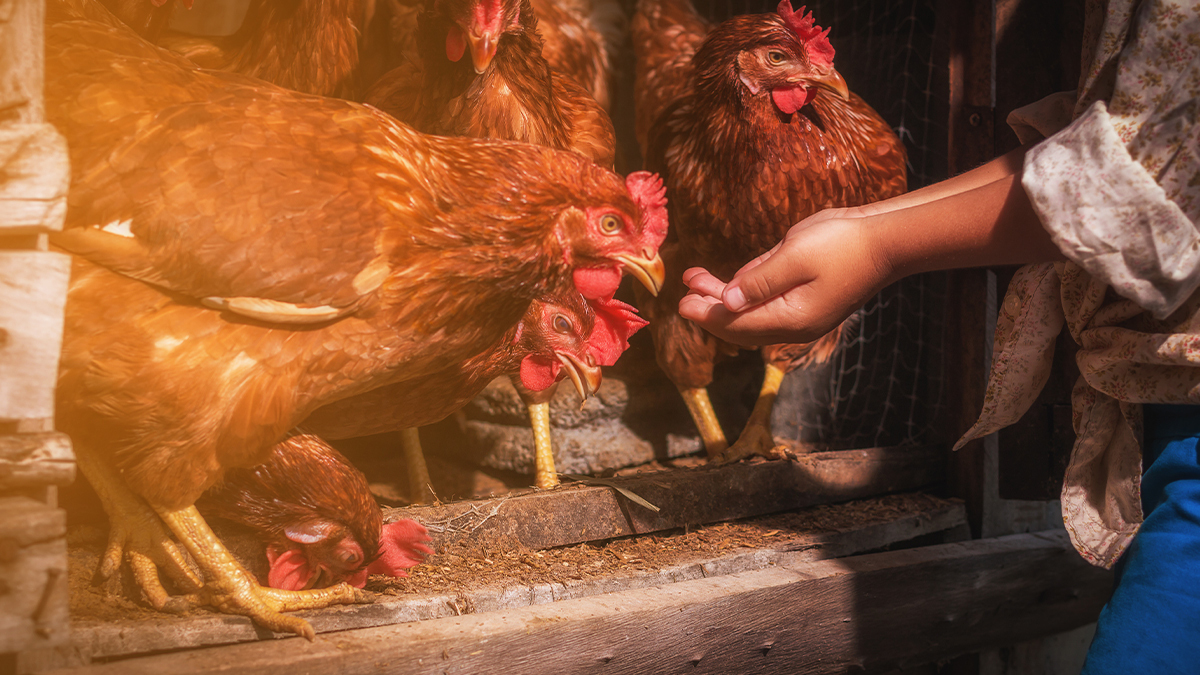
[616, 322]
[816, 41]
[650, 195]
[402, 544]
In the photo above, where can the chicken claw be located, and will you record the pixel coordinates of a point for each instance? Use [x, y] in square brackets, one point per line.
[756, 438]
[231, 589]
[137, 536]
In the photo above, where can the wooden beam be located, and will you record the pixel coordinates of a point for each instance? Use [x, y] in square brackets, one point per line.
[572, 515]
[896, 609]
[28, 460]
[95, 640]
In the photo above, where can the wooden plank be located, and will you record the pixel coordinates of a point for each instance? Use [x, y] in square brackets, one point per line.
[107, 640]
[33, 289]
[28, 460]
[33, 575]
[25, 521]
[21, 61]
[867, 613]
[572, 515]
[34, 177]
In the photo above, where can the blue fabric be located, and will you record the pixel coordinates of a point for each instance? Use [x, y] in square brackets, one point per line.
[1152, 622]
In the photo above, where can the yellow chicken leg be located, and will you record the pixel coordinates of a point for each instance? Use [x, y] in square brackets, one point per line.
[545, 475]
[420, 487]
[137, 535]
[756, 438]
[700, 406]
[231, 589]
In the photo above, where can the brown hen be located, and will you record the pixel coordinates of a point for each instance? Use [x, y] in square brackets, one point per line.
[558, 338]
[753, 130]
[256, 253]
[503, 90]
[581, 39]
[306, 45]
[314, 512]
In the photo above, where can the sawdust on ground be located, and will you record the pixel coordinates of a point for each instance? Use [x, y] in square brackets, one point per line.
[457, 569]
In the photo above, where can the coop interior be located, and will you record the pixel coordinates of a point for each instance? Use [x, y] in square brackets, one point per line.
[865, 545]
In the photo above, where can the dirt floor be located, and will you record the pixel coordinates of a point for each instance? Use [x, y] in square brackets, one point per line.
[455, 569]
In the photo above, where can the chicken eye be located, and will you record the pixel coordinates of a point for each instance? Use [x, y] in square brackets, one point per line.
[562, 324]
[610, 224]
[349, 557]
[776, 57]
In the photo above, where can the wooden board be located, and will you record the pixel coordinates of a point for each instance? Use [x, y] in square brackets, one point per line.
[30, 460]
[545, 519]
[107, 640]
[21, 60]
[34, 177]
[33, 575]
[33, 288]
[866, 613]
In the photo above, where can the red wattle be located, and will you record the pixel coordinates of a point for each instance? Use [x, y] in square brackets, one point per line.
[289, 570]
[537, 373]
[456, 44]
[790, 99]
[595, 283]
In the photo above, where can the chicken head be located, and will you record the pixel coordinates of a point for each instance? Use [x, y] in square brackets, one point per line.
[788, 59]
[325, 553]
[479, 25]
[617, 237]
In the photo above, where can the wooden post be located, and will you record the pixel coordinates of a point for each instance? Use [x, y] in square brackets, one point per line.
[971, 26]
[34, 177]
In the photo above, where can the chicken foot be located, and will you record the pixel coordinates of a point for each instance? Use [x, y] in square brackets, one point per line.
[756, 437]
[137, 536]
[420, 490]
[700, 406]
[545, 475]
[233, 590]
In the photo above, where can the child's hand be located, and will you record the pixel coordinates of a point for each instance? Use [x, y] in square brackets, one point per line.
[824, 269]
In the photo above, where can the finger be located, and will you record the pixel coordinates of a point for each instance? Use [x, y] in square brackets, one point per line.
[754, 328]
[693, 271]
[696, 307]
[703, 283]
[760, 259]
[768, 279]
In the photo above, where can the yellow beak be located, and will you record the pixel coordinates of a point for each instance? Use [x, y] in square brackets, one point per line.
[483, 50]
[586, 377]
[647, 269]
[833, 82]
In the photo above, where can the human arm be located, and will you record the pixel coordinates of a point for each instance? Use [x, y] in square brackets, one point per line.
[829, 264]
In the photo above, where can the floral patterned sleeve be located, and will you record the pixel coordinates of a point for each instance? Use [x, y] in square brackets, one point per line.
[1119, 189]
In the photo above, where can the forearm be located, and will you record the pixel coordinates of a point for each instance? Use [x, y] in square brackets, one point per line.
[991, 224]
[1004, 166]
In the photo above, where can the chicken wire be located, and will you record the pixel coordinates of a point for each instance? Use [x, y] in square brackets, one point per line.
[886, 385]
